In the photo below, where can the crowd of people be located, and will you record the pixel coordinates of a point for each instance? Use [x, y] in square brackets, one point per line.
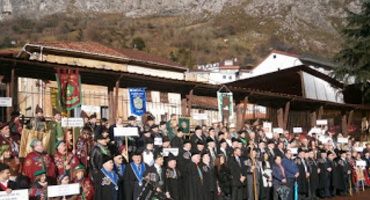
[211, 162]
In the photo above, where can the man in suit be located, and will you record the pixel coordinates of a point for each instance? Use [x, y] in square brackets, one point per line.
[236, 167]
[155, 175]
[134, 177]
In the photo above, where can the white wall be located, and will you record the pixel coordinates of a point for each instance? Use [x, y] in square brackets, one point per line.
[155, 72]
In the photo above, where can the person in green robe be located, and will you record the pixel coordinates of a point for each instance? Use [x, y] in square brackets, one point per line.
[57, 132]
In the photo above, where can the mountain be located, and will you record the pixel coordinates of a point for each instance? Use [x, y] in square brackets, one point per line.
[187, 31]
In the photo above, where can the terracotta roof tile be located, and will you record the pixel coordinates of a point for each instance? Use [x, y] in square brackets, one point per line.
[96, 48]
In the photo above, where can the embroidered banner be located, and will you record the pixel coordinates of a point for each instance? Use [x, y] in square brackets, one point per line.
[69, 88]
[137, 101]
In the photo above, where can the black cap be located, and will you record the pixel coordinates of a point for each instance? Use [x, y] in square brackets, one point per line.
[235, 140]
[211, 129]
[170, 157]
[221, 133]
[186, 141]
[150, 118]
[209, 139]
[222, 141]
[106, 158]
[198, 128]
[136, 153]
[131, 118]
[195, 152]
[15, 113]
[92, 116]
[180, 130]
[153, 127]
[165, 139]
[148, 141]
[300, 150]
[200, 142]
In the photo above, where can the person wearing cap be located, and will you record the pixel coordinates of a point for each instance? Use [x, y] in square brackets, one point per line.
[38, 190]
[184, 156]
[96, 155]
[65, 161]
[39, 123]
[92, 124]
[238, 173]
[86, 185]
[341, 174]
[6, 139]
[132, 141]
[162, 129]
[224, 149]
[253, 169]
[200, 146]
[6, 184]
[209, 180]
[325, 171]
[212, 150]
[142, 141]
[197, 137]
[165, 144]
[155, 174]
[15, 123]
[178, 141]
[149, 122]
[120, 169]
[194, 187]
[106, 181]
[84, 145]
[172, 184]
[118, 141]
[304, 174]
[38, 160]
[148, 153]
[314, 173]
[134, 177]
[57, 132]
[171, 126]
[13, 162]
[291, 171]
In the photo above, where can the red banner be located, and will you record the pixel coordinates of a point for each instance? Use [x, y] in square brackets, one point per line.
[69, 88]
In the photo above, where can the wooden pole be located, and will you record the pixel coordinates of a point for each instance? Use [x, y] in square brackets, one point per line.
[286, 115]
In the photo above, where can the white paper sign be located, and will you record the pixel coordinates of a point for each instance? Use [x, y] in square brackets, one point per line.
[158, 141]
[269, 135]
[167, 151]
[342, 140]
[278, 130]
[90, 108]
[297, 130]
[72, 122]
[63, 190]
[267, 127]
[324, 139]
[294, 150]
[5, 102]
[359, 149]
[322, 122]
[200, 116]
[15, 195]
[360, 163]
[125, 132]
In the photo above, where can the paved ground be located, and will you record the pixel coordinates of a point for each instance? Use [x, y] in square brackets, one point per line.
[363, 195]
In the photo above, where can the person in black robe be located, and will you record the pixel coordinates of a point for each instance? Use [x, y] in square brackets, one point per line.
[209, 177]
[134, 177]
[178, 141]
[120, 168]
[239, 177]
[341, 174]
[154, 176]
[314, 174]
[6, 184]
[172, 182]
[106, 181]
[324, 177]
[303, 178]
[194, 179]
[197, 137]
[331, 157]
[224, 176]
[97, 153]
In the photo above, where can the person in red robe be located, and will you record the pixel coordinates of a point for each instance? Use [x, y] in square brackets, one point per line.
[84, 145]
[38, 160]
[64, 160]
[38, 190]
[6, 139]
[87, 188]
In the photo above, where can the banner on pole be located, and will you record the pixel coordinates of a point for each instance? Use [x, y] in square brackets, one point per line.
[69, 88]
[137, 101]
[225, 105]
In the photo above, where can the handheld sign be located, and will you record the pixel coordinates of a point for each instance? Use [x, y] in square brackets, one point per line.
[200, 116]
[267, 127]
[360, 163]
[294, 150]
[342, 140]
[5, 102]
[15, 195]
[322, 122]
[72, 122]
[297, 130]
[126, 132]
[158, 141]
[63, 190]
[278, 130]
[167, 151]
[359, 149]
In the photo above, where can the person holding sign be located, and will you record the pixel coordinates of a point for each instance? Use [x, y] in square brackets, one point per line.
[106, 181]
[39, 187]
[87, 188]
[65, 161]
[6, 184]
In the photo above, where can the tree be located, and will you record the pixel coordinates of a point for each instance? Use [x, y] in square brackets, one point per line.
[138, 43]
[354, 57]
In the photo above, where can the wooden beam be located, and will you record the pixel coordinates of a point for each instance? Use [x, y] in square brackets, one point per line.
[111, 107]
[344, 125]
[239, 115]
[13, 92]
[184, 104]
[116, 103]
[189, 103]
[313, 118]
[350, 118]
[245, 107]
[320, 112]
[286, 115]
[280, 117]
